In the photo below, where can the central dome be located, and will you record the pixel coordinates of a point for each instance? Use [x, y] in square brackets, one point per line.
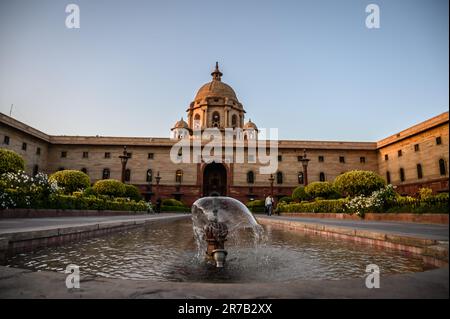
[216, 88]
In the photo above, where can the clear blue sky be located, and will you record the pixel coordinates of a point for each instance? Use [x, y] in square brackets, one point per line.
[310, 68]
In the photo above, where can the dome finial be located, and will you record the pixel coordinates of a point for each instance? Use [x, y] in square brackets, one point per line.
[217, 74]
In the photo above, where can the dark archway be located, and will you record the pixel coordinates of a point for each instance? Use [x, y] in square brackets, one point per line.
[214, 179]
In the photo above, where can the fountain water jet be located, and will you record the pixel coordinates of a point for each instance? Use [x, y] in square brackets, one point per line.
[214, 218]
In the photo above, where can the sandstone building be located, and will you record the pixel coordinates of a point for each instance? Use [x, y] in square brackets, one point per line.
[413, 158]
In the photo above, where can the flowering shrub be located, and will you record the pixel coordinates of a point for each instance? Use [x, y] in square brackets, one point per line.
[425, 193]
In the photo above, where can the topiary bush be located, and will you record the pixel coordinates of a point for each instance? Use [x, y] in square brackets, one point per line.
[354, 183]
[110, 187]
[10, 162]
[132, 192]
[299, 194]
[286, 199]
[71, 180]
[320, 189]
[172, 202]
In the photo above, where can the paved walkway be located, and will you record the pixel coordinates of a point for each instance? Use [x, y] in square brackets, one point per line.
[427, 231]
[13, 225]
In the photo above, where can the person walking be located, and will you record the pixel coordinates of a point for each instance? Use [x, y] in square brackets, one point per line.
[269, 205]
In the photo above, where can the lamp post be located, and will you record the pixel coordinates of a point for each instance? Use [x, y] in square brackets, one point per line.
[271, 179]
[305, 167]
[124, 159]
[158, 178]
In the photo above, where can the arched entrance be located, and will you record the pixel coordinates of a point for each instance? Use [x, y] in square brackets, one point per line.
[214, 179]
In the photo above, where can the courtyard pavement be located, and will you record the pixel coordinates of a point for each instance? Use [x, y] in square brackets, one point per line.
[16, 225]
[426, 231]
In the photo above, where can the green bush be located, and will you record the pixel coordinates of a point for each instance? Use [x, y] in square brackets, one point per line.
[10, 162]
[132, 192]
[110, 187]
[425, 193]
[299, 194]
[183, 209]
[94, 203]
[172, 202]
[356, 183]
[71, 180]
[286, 199]
[89, 191]
[320, 189]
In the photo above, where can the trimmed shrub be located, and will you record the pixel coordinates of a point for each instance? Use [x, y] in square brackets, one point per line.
[110, 187]
[94, 203]
[89, 191]
[71, 180]
[181, 209]
[132, 192]
[320, 189]
[356, 183]
[299, 194]
[10, 162]
[172, 202]
[318, 206]
[256, 206]
[286, 199]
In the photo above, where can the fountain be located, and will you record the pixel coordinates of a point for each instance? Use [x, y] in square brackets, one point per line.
[214, 218]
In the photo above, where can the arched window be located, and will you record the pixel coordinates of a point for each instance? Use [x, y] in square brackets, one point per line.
[388, 177]
[216, 119]
[234, 120]
[84, 170]
[197, 122]
[402, 175]
[106, 173]
[301, 179]
[35, 170]
[419, 171]
[149, 176]
[279, 178]
[322, 176]
[250, 177]
[442, 167]
[127, 175]
[178, 176]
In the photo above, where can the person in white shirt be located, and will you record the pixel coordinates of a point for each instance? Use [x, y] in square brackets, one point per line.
[269, 205]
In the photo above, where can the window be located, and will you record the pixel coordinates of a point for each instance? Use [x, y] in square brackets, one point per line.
[63, 154]
[279, 178]
[150, 156]
[442, 167]
[362, 159]
[149, 176]
[399, 153]
[280, 158]
[85, 154]
[38, 151]
[234, 120]
[129, 155]
[106, 173]
[416, 147]
[197, 123]
[24, 146]
[388, 177]
[322, 176]
[250, 177]
[301, 178]
[321, 159]
[341, 159]
[107, 155]
[438, 140]
[215, 119]
[35, 170]
[419, 171]
[127, 175]
[386, 157]
[6, 140]
[84, 170]
[178, 176]
[402, 175]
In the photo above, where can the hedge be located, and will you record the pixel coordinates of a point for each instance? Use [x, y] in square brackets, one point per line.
[172, 202]
[94, 203]
[318, 206]
[110, 187]
[183, 209]
[10, 161]
[356, 183]
[71, 180]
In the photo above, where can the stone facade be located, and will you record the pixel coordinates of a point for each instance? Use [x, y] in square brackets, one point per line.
[216, 106]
